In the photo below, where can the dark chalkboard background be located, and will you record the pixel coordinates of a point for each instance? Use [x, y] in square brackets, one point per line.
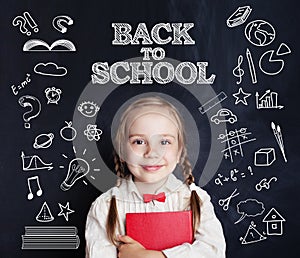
[92, 34]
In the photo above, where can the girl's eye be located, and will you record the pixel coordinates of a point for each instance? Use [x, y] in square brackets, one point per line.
[139, 141]
[165, 142]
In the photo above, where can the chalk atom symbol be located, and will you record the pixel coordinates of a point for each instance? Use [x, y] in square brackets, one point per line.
[92, 132]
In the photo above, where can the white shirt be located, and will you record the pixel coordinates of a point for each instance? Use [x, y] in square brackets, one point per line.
[209, 239]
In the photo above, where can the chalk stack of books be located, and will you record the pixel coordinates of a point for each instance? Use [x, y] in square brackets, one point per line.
[50, 237]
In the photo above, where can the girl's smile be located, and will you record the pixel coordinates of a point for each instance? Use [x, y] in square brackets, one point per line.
[152, 168]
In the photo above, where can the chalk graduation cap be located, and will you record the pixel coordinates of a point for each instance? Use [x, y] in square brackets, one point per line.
[45, 214]
[252, 235]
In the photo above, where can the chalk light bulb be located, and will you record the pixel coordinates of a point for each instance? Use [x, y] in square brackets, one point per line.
[78, 168]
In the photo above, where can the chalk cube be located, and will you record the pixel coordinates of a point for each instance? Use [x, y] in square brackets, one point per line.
[264, 157]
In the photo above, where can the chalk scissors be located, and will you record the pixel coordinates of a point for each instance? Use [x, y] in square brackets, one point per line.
[225, 202]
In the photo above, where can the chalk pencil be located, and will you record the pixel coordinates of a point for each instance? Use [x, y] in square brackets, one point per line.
[251, 66]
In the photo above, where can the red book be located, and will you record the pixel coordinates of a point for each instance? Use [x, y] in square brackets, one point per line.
[160, 230]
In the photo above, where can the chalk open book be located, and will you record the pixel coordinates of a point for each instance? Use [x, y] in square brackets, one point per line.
[160, 230]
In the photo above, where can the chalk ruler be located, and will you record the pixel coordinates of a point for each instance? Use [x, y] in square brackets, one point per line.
[212, 102]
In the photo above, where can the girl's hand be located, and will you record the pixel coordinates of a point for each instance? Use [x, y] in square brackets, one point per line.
[133, 249]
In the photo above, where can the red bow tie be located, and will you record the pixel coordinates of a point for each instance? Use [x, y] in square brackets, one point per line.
[161, 197]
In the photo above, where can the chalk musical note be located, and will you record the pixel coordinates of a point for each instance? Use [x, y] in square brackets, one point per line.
[235, 139]
[225, 202]
[238, 71]
[39, 192]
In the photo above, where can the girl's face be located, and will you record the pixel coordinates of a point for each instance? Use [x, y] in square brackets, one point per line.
[152, 150]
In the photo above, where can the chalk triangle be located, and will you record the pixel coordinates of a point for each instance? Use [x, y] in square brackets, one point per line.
[45, 214]
[252, 236]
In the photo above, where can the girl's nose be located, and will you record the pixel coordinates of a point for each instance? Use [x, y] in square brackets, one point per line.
[153, 149]
[151, 152]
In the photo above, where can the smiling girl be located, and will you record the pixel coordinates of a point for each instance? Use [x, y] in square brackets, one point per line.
[149, 144]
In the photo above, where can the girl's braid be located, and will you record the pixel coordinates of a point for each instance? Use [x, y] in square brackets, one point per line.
[189, 179]
[119, 168]
[186, 168]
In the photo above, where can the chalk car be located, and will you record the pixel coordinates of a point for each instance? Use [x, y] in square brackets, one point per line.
[224, 115]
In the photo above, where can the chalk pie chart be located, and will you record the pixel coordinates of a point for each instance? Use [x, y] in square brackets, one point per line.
[260, 33]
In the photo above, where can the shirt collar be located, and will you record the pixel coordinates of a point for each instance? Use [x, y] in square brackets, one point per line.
[128, 188]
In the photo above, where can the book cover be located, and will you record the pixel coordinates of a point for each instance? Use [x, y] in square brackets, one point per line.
[154, 229]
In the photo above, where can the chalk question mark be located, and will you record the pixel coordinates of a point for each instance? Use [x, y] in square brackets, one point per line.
[21, 22]
[35, 108]
[62, 19]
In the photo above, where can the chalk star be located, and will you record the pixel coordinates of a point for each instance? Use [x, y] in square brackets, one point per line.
[241, 96]
[65, 211]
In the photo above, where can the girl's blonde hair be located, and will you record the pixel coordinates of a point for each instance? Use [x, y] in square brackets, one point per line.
[123, 172]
